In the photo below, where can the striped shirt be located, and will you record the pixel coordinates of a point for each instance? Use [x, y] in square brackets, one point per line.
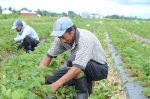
[85, 48]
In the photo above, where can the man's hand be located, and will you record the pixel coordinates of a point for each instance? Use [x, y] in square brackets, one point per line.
[54, 86]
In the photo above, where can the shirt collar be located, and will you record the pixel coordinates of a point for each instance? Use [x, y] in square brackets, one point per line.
[76, 39]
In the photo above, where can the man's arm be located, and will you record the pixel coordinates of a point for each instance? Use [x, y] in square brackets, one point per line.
[23, 35]
[72, 73]
[45, 61]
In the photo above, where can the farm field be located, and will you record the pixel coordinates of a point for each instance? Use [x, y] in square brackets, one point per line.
[20, 77]
[138, 27]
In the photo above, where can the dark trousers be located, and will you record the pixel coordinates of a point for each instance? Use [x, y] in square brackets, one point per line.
[28, 44]
[94, 71]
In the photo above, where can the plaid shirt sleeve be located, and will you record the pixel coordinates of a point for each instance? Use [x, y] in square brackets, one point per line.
[56, 48]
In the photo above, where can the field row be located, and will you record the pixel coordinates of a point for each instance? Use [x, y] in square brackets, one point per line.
[135, 55]
[139, 27]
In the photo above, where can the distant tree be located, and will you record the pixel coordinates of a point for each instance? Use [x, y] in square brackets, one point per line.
[0, 10]
[25, 9]
[10, 9]
[121, 17]
[39, 11]
[54, 14]
[72, 14]
[48, 13]
[15, 12]
[43, 12]
[64, 14]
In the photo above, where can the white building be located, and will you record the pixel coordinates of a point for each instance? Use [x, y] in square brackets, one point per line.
[85, 15]
[91, 15]
[6, 12]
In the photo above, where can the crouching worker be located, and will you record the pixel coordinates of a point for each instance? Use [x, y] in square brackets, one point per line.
[26, 34]
[86, 56]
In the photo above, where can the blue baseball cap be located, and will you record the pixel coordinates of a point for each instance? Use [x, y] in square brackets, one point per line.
[16, 24]
[60, 26]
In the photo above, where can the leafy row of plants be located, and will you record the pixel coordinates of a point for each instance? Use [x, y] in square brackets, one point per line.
[135, 54]
[140, 27]
[21, 77]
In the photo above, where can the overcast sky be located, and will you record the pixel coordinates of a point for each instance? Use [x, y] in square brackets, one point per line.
[139, 8]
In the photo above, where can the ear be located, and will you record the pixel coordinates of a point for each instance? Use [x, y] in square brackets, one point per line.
[73, 30]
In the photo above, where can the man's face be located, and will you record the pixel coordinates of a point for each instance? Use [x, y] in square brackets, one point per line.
[18, 28]
[68, 37]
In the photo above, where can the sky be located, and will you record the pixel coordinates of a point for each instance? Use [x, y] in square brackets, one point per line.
[139, 8]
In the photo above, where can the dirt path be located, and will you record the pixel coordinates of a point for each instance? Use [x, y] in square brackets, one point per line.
[133, 88]
[114, 78]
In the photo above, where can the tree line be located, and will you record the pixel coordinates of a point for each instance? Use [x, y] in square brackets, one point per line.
[69, 14]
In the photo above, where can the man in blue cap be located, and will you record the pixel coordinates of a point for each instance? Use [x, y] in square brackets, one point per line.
[26, 34]
[87, 60]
